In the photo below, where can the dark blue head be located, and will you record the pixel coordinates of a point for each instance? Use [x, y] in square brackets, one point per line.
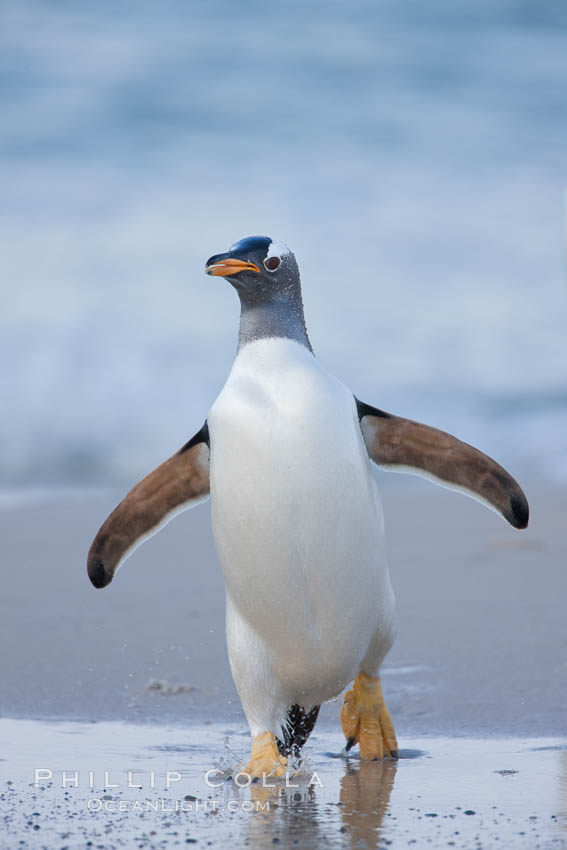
[255, 264]
[245, 250]
[265, 275]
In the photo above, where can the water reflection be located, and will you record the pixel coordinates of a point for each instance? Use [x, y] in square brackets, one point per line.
[301, 817]
[365, 797]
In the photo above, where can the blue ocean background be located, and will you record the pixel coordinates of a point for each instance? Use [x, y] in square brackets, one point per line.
[413, 155]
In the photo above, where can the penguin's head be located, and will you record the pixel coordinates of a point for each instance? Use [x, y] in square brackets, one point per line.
[257, 267]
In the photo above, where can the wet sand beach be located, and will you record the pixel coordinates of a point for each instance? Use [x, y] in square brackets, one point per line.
[135, 678]
[442, 792]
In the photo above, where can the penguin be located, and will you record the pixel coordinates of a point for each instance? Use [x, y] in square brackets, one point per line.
[285, 456]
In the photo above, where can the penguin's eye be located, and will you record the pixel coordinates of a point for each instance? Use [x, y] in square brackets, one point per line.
[272, 264]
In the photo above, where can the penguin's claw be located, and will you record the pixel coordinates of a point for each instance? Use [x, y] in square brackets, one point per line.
[366, 720]
[265, 759]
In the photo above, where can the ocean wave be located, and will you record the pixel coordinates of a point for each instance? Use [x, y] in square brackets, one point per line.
[415, 163]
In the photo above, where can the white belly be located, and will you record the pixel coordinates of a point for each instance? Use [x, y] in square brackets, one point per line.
[296, 517]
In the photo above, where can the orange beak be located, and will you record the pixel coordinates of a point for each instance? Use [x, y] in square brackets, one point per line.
[228, 267]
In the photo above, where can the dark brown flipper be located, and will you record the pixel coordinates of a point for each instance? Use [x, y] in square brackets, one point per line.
[174, 486]
[396, 443]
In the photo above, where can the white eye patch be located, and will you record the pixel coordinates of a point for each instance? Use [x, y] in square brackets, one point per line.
[277, 249]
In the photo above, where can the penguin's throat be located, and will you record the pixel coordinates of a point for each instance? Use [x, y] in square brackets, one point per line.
[272, 318]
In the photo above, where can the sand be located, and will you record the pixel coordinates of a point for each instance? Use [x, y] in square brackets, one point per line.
[136, 677]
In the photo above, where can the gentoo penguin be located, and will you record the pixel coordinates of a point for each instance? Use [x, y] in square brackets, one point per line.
[285, 455]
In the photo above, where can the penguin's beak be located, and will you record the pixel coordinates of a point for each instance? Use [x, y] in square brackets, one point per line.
[225, 265]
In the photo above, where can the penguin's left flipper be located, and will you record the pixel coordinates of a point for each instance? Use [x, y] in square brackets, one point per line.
[406, 446]
[179, 483]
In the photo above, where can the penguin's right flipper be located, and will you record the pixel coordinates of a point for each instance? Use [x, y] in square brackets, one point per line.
[179, 483]
[407, 446]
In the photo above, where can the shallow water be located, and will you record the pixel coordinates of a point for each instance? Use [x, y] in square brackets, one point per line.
[442, 792]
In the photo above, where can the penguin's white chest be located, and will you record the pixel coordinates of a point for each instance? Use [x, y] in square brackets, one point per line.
[296, 518]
